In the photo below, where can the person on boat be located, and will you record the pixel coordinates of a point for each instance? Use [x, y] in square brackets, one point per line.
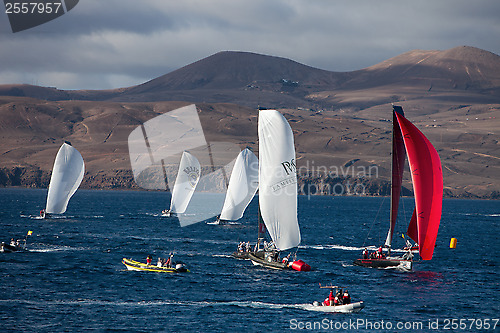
[408, 255]
[149, 259]
[12, 242]
[365, 253]
[329, 301]
[286, 259]
[247, 247]
[331, 298]
[159, 263]
[170, 260]
[346, 298]
[42, 213]
[338, 298]
[168, 263]
[379, 253]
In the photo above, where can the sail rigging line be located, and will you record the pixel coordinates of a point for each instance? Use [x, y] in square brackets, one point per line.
[401, 199]
[373, 222]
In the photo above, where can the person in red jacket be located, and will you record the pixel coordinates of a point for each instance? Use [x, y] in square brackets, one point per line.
[148, 259]
[346, 298]
[329, 301]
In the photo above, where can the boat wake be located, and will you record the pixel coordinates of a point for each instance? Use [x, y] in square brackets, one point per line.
[222, 255]
[477, 214]
[200, 304]
[224, 223]
[347, 248]
[338, 247]
[43, 248]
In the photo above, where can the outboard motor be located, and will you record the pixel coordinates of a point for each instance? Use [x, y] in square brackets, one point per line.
[181, 267]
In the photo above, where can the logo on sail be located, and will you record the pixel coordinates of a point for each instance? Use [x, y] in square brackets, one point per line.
[289, 166]
[284, 183]
[193, 175]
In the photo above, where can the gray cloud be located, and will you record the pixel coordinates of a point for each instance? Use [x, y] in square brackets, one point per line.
[117, 43]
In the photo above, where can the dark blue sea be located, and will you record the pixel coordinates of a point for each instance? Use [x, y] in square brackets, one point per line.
[72, 278]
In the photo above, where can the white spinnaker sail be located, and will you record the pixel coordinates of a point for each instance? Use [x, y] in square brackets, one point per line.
[278, 179]
[185, 183]
[67, 174]
[243, 184]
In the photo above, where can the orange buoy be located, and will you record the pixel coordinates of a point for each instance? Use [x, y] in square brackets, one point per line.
[453, 243]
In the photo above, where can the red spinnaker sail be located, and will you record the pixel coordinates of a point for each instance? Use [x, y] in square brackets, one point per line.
[398, 161]
[427, 178]
[412, 231]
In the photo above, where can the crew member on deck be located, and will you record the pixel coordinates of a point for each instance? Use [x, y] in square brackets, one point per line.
[286, 259]
[346, 299]
[149, 259]
[331, 298]
[380, 254]
[170, 260]
[329, 301]
[365, 253]
[338, 297]
[338, 300]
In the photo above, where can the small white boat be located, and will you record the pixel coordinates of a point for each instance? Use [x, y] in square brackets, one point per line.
[346, 308]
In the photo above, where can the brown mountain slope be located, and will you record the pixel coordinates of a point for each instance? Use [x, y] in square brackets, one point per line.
[237, 70]
[460, 68]
[336, 153]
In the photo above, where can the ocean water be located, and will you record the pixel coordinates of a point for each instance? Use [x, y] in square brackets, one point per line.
[72, 279]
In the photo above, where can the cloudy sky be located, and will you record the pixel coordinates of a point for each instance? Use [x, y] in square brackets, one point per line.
[103, 44]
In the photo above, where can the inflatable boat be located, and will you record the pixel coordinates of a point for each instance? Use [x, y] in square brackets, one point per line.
[346, 308]
[133, 265]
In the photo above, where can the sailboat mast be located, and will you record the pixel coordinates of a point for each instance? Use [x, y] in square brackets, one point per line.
[260, 231]
[397, 166]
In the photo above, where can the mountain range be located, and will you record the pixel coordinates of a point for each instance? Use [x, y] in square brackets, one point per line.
[340, 119]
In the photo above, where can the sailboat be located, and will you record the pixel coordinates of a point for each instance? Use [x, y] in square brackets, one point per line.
[67, 175]
[427, 179]
[277, 193]
[185, 184]
[243, 185]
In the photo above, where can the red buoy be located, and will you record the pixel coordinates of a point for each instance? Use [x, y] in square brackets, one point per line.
[301, 266]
